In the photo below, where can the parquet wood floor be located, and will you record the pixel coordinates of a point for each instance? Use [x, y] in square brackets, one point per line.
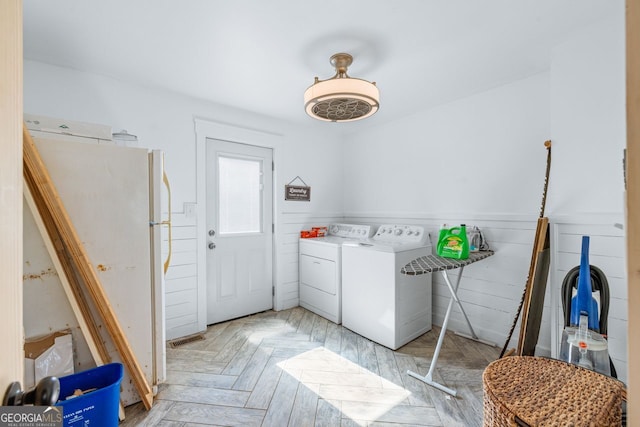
[294, 368]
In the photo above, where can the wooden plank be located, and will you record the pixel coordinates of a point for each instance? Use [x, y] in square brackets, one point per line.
[534, 316]
[264, 389]
[43, 188]
[69, 281]
[540, 243]
[632, 226]
[283, 400]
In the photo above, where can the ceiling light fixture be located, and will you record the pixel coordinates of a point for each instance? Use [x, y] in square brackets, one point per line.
[341, 98]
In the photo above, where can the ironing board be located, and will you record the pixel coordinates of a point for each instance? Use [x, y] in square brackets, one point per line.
[431, 264]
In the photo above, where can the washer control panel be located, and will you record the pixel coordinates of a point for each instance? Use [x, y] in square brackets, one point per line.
[401, 233]
[352, 231]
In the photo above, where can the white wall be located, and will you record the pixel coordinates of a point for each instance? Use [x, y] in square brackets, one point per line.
[588, 120]
[483, 153]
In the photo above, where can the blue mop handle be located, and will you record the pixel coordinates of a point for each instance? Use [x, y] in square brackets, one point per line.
[583, 303]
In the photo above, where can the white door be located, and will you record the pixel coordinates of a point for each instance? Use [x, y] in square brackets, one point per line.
[239, 230]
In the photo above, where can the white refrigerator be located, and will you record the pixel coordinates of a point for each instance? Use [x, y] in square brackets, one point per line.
[115, 197]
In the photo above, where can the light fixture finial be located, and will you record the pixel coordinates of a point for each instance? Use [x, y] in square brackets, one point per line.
[341, 62]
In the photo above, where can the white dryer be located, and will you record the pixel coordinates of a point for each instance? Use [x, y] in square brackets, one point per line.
[378, 302]
[320, 261]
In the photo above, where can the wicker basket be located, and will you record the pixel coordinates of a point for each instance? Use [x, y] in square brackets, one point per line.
[536, 391]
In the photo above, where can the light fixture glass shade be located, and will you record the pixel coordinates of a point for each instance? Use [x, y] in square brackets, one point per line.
[341, 98]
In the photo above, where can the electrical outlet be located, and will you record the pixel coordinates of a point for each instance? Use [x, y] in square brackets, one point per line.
[190, 210]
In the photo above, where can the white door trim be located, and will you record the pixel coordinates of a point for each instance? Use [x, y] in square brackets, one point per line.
[210, 129]
[11, 257]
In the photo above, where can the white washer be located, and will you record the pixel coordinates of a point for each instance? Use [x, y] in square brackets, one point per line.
[378, 302]
[320, 261]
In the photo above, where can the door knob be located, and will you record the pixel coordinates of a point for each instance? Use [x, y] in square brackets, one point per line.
[212, 233]
[46, 393]
[212, 245]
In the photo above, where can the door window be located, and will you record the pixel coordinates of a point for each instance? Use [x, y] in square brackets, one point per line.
[239, 195]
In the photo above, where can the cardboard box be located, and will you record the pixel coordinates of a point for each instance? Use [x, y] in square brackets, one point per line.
[50, 355]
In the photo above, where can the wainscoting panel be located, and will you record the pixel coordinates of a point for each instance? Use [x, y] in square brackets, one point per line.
[181, 284]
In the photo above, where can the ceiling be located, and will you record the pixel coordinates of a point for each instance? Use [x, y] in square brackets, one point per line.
[260, 55]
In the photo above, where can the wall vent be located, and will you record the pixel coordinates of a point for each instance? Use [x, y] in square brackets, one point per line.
[186, 340]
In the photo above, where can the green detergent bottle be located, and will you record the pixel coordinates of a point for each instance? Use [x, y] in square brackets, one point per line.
[453, 243]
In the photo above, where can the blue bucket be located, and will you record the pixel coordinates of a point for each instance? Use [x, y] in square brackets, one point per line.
[99, 407]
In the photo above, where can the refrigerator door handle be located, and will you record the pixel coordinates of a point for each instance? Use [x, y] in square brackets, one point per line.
[165, 180]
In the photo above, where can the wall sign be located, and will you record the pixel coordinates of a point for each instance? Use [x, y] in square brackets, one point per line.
[297, 192]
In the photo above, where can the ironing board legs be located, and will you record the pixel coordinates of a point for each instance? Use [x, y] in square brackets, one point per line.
[428, 379]
[454, 295]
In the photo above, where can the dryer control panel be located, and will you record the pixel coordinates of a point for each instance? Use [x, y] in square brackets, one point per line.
[401, 233]
[351, 231]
